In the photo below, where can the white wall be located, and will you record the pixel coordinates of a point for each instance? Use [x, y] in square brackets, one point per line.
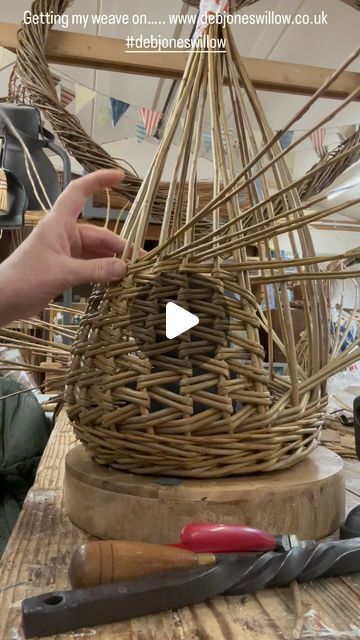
[327, 243]
[141, 156]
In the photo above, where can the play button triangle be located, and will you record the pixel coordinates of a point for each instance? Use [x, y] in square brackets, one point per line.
[178, 320]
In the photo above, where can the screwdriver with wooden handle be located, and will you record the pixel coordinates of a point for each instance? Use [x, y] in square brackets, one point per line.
[104, 562]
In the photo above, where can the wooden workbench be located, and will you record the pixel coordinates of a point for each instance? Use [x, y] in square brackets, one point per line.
[37, 557]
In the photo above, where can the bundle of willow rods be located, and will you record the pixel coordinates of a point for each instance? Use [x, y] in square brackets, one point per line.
[322, 175]
[338, 438]
[328, 172]
[40, 353]
[206, 404]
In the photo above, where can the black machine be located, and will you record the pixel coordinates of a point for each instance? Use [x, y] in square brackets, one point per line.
[20, 193]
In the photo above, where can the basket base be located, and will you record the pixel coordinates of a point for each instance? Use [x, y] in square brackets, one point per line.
[307, 500]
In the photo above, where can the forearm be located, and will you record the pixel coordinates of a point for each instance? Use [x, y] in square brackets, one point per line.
[13, 294]
[29, 279]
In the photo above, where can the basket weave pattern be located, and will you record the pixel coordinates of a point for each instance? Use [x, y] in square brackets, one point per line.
[207, 405]
[187, 405]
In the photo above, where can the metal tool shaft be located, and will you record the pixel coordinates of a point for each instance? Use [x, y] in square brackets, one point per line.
[304, 565]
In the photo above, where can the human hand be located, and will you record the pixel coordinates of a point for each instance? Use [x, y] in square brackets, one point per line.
[60, 254]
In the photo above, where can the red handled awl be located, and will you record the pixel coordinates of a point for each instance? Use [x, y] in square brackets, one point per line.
[227, 538]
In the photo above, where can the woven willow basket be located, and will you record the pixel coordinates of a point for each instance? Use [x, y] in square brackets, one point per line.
[207, 404]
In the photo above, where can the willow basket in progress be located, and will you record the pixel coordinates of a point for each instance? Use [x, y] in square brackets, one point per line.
[208, 405]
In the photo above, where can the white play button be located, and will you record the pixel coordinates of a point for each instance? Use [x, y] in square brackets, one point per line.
[178, 320]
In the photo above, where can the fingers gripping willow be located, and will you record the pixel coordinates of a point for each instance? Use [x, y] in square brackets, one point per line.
[208, 405]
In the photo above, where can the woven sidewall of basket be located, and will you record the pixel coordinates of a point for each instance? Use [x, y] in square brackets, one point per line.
[200, 405]
[210, 403]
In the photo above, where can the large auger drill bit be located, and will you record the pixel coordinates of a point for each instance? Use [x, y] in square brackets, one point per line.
[304, 565]
[310, 563]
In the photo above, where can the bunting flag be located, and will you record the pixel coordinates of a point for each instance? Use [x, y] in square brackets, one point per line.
[66, 96]
[258, 183]
[207, 138]
[140, 132]
[259, 188]
[290, 161]
[346, 132]
[150, 119]
[286, 139]
[6, 57]
[318, 139]
[118, 108]
[56, 79]
[224, 139]
[83, 95]
[57, 83]
[104, 115]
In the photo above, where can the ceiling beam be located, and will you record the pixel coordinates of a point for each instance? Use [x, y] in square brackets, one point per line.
[110, 54]
[355, 4]
[336, 226]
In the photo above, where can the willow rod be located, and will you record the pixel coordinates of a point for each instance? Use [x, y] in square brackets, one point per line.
[254, 208]
[225, 194]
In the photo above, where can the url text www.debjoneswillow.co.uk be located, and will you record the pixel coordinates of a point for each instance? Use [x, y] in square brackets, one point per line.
[267, 18]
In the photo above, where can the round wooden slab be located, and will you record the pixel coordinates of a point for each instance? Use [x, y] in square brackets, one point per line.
[306, 500]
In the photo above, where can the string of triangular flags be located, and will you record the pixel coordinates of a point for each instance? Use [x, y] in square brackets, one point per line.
[150, 120]
[317, 138]
[82, 96]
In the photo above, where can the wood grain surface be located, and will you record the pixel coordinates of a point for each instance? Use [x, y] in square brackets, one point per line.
[306, 500]
[37, 558]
